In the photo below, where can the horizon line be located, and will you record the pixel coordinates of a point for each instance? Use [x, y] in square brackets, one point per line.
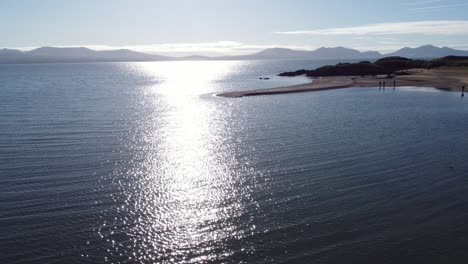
[221, 54]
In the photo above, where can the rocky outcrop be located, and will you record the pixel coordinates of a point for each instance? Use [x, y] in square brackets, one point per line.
[388, 65]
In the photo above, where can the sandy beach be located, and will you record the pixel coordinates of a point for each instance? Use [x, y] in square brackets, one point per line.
[443, 78]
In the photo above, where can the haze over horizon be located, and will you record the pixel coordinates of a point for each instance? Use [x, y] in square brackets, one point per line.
[213, 28]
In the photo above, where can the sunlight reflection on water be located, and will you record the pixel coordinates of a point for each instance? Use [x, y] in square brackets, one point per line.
[118, 163]
[183, 188]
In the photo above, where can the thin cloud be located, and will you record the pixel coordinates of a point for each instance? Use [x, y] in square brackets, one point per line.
[399, 28]
[427, 8]
[422, 2]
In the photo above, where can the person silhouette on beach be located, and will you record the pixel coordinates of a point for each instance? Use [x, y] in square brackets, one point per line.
[380, 85]
[394, 84]
[463, 90]
[383, 84]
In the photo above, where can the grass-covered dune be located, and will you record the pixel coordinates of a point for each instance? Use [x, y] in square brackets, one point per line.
[388, 65]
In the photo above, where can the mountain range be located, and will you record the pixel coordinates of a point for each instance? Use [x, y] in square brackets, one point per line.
[80, 54]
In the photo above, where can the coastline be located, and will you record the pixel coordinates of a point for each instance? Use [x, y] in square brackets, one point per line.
[444, 78]
[320, 84]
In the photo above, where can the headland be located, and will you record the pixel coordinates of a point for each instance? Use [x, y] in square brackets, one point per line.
[448, 73]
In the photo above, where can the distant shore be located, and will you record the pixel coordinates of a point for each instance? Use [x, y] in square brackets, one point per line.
[440, 78]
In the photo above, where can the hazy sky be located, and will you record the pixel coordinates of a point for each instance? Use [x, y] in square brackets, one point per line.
[232, 27]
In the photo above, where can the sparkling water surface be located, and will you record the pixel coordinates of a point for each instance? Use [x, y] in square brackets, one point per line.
[142, 163]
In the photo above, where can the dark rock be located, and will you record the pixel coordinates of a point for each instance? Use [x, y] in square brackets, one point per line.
[388, 66]
[392, 64]
[295, 73]
[451, 61]
[348, 69]
[401, 73]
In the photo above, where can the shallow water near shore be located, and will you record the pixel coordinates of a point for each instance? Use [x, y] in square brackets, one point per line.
[140, 163]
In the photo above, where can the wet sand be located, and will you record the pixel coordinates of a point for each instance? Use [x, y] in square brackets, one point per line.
[320, 84]
[443, 78]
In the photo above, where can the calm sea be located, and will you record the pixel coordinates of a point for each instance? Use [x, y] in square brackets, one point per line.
[142, 163]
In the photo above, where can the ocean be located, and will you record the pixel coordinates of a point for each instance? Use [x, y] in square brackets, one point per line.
[143, 163]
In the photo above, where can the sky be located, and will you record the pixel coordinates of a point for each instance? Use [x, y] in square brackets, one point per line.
[215, 27]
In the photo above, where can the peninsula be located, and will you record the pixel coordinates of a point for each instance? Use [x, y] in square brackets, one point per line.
[448, 73]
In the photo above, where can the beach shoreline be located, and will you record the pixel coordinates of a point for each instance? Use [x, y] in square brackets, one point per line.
[444, 78]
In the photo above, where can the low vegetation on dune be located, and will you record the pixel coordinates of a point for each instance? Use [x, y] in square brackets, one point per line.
[388, 65]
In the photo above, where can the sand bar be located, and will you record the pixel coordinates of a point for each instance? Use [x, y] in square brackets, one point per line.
[324, 83]
[443, 78]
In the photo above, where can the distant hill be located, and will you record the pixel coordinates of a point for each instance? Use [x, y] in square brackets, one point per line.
[318, 54]
[62, 52]
[89, 54]
[428, 51]
[343, 53]
[273, 54]
[59, 55]
[9, 51]
[80, 54]
[193, 58]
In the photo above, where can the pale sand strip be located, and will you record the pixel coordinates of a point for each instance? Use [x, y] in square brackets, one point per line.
[447, 79]
[317, 85]
[443, 78]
